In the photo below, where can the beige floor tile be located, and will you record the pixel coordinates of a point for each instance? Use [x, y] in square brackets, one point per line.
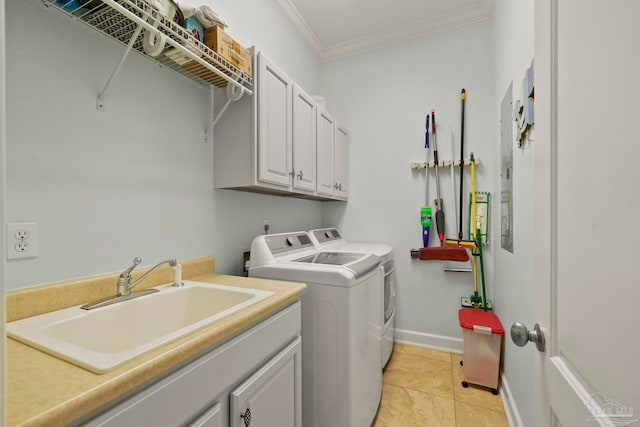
[422, 352]
[421, 374]
[476, 416]
[477, 396]
[401, 407]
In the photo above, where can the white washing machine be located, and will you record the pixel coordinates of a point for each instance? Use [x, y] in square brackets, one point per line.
[341, 346]
[330, 239]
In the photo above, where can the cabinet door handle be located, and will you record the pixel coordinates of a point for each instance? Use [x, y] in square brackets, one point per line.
[292, 173]
[246, 417]
[335, 186]
[300, 175]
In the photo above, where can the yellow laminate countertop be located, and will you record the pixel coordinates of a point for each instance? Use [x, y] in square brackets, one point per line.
[46, 391]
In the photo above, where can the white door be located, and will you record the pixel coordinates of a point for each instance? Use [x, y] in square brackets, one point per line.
[587, 148]
[304, 141]
[274, 124]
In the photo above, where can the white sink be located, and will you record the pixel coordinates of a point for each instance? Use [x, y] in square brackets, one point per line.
[104, 338]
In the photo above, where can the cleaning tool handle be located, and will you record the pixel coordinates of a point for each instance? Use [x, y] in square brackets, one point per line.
[426, 137]
[433, 122]
[440, 225]
[463, 97]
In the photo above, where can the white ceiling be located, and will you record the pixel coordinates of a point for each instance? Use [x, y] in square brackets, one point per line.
[337, 28]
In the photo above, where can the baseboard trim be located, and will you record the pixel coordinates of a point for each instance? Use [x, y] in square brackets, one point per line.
[436, 342]
[510, 408]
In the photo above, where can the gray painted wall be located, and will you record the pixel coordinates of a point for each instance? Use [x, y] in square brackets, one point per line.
[137, 179]
[513, 41]
[383, 96]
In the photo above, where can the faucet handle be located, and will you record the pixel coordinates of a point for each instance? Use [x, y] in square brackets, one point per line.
[137, 260]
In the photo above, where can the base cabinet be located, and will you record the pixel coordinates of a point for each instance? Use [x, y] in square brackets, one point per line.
[255, 376]
[211, 418]
[267, 397]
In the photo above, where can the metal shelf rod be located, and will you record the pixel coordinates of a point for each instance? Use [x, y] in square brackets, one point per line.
[100, 101]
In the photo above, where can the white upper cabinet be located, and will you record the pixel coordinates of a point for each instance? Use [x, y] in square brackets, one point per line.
[274, 124]
[341, 160]
[332, 157]
[304, 141]
[278, 141]
[325, 139]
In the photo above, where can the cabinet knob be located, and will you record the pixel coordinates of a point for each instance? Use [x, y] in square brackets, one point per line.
[246, 417]
[300, 175]
[293, 172]
[335, 186]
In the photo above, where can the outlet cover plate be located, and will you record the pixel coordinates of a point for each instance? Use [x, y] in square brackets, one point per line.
[25, 247]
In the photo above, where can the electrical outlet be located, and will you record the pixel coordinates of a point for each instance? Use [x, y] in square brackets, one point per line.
[21, 246]
[21, 240]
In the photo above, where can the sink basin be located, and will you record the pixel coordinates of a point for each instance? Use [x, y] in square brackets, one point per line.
[104, 338]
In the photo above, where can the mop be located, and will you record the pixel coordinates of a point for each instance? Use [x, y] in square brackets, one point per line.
[438, 200]
[425, 211]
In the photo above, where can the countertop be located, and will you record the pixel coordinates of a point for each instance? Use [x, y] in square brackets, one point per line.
[46, 391]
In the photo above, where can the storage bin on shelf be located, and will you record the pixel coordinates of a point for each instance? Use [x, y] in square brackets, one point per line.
[121, 19]
[482, 337]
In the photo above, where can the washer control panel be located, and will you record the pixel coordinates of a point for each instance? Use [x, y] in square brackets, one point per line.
[288, 242]
[326, 235]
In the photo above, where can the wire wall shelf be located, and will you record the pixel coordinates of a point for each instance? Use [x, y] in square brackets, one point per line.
[126, 21]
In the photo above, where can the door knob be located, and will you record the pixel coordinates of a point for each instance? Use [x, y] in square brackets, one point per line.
[520, 335]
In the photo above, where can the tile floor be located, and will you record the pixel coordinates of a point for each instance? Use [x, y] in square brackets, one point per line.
[421, 387]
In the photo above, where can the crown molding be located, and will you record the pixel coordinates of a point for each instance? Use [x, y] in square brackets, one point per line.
[298, 22]
[433, 24]
[424, 27]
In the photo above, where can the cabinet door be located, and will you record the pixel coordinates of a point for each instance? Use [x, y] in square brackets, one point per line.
[341, 149]
[212, 417]
[273, 395]
[325, 136]
[304, 141]
[274, 124]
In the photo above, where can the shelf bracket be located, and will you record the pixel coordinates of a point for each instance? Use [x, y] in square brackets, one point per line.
[234, 93]
[100, 101]
[209, 131]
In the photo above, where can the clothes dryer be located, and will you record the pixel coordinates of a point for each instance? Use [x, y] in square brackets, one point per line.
[330, 239]
[341, 348]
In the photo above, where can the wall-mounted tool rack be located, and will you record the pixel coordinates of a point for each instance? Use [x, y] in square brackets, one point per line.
[441, 164]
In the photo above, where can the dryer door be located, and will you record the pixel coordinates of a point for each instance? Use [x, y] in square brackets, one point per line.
[389, 291]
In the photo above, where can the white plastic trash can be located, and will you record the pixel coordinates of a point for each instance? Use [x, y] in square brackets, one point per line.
[482, 335]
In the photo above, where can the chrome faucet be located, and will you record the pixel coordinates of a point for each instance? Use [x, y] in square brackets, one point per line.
[125, 285]
[124, 280]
